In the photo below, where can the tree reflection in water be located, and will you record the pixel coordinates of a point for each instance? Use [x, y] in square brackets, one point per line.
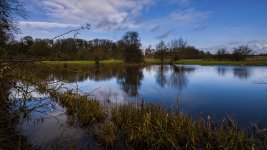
[161, 75]
[178, 78]
[173, 76]
[130, 79]
[221, 71]
[242, 72]
[128, 76]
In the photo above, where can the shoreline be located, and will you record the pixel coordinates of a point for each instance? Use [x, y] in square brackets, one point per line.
[156, 62]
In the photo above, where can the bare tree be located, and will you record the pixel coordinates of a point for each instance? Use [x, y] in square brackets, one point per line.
[222, 53]
[8, 10]
[161, 51]
[241, 52]
[176, 46]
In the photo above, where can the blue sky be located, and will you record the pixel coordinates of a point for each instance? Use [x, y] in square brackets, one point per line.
[205, 24]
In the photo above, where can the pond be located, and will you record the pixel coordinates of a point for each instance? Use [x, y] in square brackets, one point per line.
[216, 91]
[209, 90]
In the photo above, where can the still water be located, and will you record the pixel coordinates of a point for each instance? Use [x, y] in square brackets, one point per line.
[211, 90]
[217, 91]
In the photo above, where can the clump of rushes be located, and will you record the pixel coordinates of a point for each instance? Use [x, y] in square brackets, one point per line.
[107, 134]
[87, 111]
[151, 127]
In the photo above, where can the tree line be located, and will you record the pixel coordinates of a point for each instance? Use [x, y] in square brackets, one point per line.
[128, 48]
[238, 53]
[174, 50]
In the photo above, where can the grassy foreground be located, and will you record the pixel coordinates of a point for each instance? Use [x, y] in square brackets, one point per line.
[148, 126]
[155, 61]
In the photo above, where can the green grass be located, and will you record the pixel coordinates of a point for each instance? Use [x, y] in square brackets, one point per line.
[155, 61]
[211, 62]
[82, 62]
[86, 111]
[216, 62]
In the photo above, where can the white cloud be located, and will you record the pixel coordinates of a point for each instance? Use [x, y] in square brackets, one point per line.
[164, 35]
[262, 46]
[178, 18]
[180, 2]
[110, 15]
[34, 24]
[189, 15]
[256, 45]
[103, 14]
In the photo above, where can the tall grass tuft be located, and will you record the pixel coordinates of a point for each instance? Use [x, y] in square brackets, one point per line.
[150, 126]
[87, 111]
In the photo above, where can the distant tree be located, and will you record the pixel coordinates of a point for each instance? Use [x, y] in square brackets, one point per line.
[12, 48]
[161, 51]
[207, 55]
[98, 54]
[177, 46]
[222, 54]
[25, 43]
[83, 53]
[149, 51]
[131, 47]
[41, 48]
[241, 52]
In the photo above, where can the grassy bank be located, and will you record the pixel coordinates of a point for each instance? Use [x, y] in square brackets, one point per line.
[81, 62]
[155, 61]
[149, 126]
[228, 63]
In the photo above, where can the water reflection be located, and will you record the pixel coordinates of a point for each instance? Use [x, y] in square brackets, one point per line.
[200, 88]
[78, 73]
[130, 79]
[242, 72]
[221, 70]
[178, 77]
[238, 72]
[210, 90]
[161, 75]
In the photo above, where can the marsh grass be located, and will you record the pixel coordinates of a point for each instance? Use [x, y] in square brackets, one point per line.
[150, 126]
[87, 111]
[154, 128]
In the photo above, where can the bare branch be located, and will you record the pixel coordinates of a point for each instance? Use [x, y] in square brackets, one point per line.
[86, 27]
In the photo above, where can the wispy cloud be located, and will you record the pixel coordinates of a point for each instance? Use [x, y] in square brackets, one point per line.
[233, 43]
[258, 46]
[155, 28]
[180, 2]
[200, 28]
[262, 46]
[164, 35]
[177, 18]
[33, 24]
[189, 15]
[103, 14]
[253, 41]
